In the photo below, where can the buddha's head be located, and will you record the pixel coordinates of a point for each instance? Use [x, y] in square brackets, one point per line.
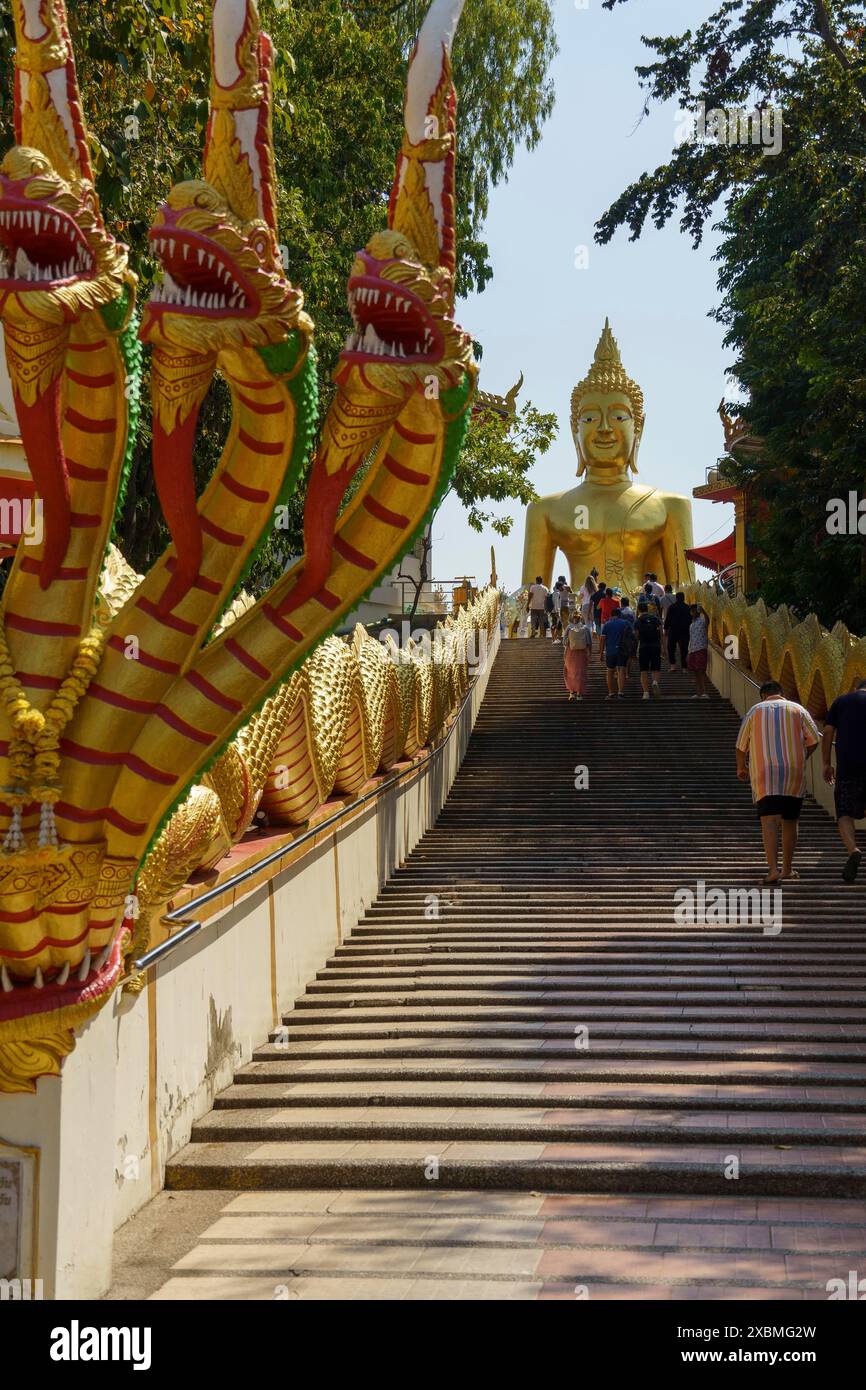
[607, 416]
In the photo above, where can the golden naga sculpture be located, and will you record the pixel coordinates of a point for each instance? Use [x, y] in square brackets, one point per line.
[608, 522]
[355, 708]
[105, 726]
[812, 664]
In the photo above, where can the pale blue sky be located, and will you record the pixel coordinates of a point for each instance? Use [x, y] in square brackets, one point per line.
[542, 316]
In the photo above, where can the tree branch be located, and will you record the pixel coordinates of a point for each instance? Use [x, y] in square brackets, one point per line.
[825, 29]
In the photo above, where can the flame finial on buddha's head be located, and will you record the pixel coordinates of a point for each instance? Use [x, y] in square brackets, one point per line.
[607, 387]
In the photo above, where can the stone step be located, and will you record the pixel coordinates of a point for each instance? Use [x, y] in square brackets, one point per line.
[553, 981]
[469, 1048]
[672, 1001]
[707, 1070]
[391, 1122]
[297, 1032]
[588, 1095]
[517, 1166]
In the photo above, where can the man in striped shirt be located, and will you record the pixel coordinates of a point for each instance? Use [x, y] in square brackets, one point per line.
[776, 739]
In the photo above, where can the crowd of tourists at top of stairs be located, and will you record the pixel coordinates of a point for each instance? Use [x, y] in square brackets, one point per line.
[627, 634]
[777, 735]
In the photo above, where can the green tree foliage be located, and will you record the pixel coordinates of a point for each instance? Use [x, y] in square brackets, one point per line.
[340, 71]
[495, 460]
[792, 267]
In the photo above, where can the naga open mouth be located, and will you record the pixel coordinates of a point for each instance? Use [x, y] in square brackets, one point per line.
[40, 246]
[390, 321]
[198, 276]
[65, 986]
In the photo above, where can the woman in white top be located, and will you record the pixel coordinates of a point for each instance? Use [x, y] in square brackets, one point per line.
[576, 651]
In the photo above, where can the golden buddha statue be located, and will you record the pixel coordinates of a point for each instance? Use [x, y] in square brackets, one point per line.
[608, 522]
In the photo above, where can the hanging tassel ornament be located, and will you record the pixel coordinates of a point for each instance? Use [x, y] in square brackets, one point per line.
[34, 751]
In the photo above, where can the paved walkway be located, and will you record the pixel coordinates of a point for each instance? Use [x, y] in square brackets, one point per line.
[523, 1076]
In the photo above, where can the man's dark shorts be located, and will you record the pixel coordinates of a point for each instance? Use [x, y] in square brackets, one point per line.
[649, 658]
[849, 794]
[788, 807]
[612, 662]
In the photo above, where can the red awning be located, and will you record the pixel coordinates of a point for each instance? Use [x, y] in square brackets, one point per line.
[717, 556]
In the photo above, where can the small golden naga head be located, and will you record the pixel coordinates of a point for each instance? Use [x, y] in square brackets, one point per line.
[223, 283]
[401, 286]
[607, 415]
[56, 259]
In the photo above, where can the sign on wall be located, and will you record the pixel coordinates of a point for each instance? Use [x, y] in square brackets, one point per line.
[19, 1174]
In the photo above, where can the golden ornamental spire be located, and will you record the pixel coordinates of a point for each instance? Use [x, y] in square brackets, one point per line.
[607, 374]
[48, 112]
[422, 197]
[237, 157]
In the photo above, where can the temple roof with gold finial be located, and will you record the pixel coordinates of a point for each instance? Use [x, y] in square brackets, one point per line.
[506, 405]
[738, 433]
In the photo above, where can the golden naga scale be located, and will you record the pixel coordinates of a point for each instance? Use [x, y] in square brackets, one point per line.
[610, 523]
[112, 711]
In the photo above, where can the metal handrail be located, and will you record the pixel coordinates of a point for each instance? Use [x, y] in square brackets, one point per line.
[179, 914]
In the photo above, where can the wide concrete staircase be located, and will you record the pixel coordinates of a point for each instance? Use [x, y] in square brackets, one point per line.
[520, 1010]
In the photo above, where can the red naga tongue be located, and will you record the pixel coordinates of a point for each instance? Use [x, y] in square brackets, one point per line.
[175, 486]
[40, 434]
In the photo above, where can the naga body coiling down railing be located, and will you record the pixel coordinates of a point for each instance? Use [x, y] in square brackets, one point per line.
[356, 707]
[107, 723]
[812, 665]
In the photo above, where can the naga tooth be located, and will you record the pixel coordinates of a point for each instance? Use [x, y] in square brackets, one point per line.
[388, 298]
[63, 976]
[22, 264]
[37, 978]
[84, 968]
[37, 221]
[210, 262]
[186, 250]
[5, 980]
[103, 958]
[56, 224]
[200, 255]
[188, 299]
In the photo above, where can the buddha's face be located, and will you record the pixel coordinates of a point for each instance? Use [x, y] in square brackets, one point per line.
[606, 432]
